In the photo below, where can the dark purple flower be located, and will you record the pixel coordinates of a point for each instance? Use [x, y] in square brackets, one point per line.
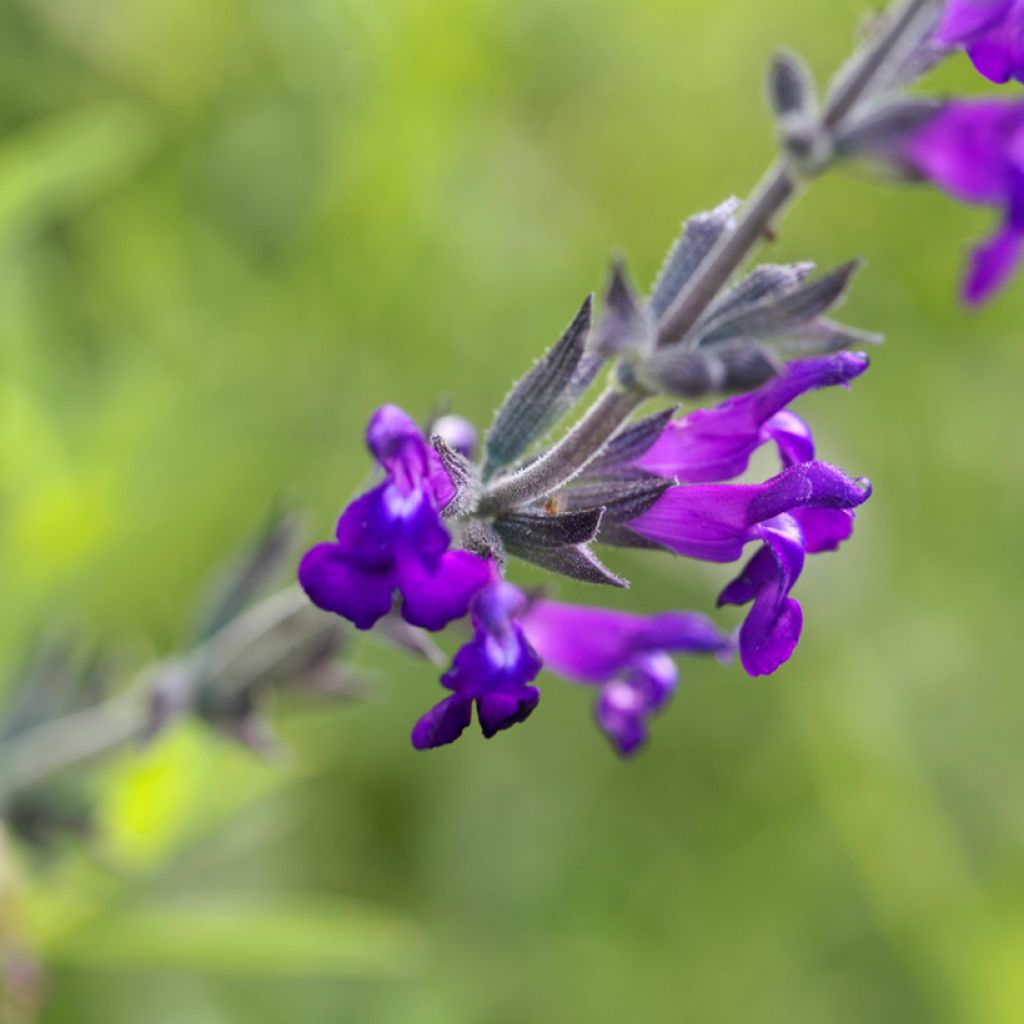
[716, 444]
[975, 151]
[625, 655]
[992, 31]
[714, 522]
[493, 670]
[392, 538]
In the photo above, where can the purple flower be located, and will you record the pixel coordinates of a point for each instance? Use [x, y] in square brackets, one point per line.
[975, 151]
[392, 538]
[716, 444]
[625, 655]
[714, 522]
[992, 32]
[493, 670]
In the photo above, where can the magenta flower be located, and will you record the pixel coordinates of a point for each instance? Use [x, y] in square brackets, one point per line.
[392, 539]
[716, 444]
[625, 655]
[493, 671]
[975, 151]
[992, 31]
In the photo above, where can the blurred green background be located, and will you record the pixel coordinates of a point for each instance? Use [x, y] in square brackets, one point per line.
[228, 231]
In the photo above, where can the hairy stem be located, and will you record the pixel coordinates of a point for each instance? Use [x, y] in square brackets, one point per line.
[566, 459]
[287, 626]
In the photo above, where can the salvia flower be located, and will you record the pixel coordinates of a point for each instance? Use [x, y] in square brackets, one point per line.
[992, 31]
[625, 656]
[714, 522]
[493, 671]
[974, 150]
[393, 539]
[716, 444]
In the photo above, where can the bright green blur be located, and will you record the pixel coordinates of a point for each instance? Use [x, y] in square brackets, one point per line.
[229, 230]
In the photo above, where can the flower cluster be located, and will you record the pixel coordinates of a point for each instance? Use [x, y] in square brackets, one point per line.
[393, 544]
[432, 540]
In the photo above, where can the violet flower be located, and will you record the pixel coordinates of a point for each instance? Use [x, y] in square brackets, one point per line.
[493, 671]
[992, 31]
[714, 522]
[625, 655]
[709, 445]
[975, 151]
[805, 509]
[392, 539]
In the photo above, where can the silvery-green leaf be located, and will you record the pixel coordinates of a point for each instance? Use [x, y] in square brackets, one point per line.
[700, 233]
[622, 500]
[764, 283]
[619, 535]
[628, 445]
[543, 531]
[482, 539]
[822, 337]
[778, 315]
[578, 563]
[791, 88]
[625, 325]
[543, 395]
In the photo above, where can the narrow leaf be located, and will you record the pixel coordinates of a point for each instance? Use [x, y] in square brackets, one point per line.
[627, 446]
[576, 527]
[544, 395]
[767, 282]
[700, 233]
[791, 88]
[578, 563]
[622, 501]
[776, 316]
[624, 323]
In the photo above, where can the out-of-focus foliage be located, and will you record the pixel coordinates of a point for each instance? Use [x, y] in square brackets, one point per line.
[229, 230]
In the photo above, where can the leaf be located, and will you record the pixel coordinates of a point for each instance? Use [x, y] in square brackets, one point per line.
[577, 527]
[700, 233]
[619, 535]
[544, 395]
[768, 281]
[791, 88]
[622, 500]
[625, 324]
[578, 563]
[777, 315]
[627, 446]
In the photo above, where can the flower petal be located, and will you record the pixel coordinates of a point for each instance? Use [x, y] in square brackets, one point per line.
[592, 645]
[502, 710]
[964, 20]
[992, 263]
[711, 445]
[335, 585]
[620, 714]
[772, 628]
[435, 597]
[442, 724]
[715, 521]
